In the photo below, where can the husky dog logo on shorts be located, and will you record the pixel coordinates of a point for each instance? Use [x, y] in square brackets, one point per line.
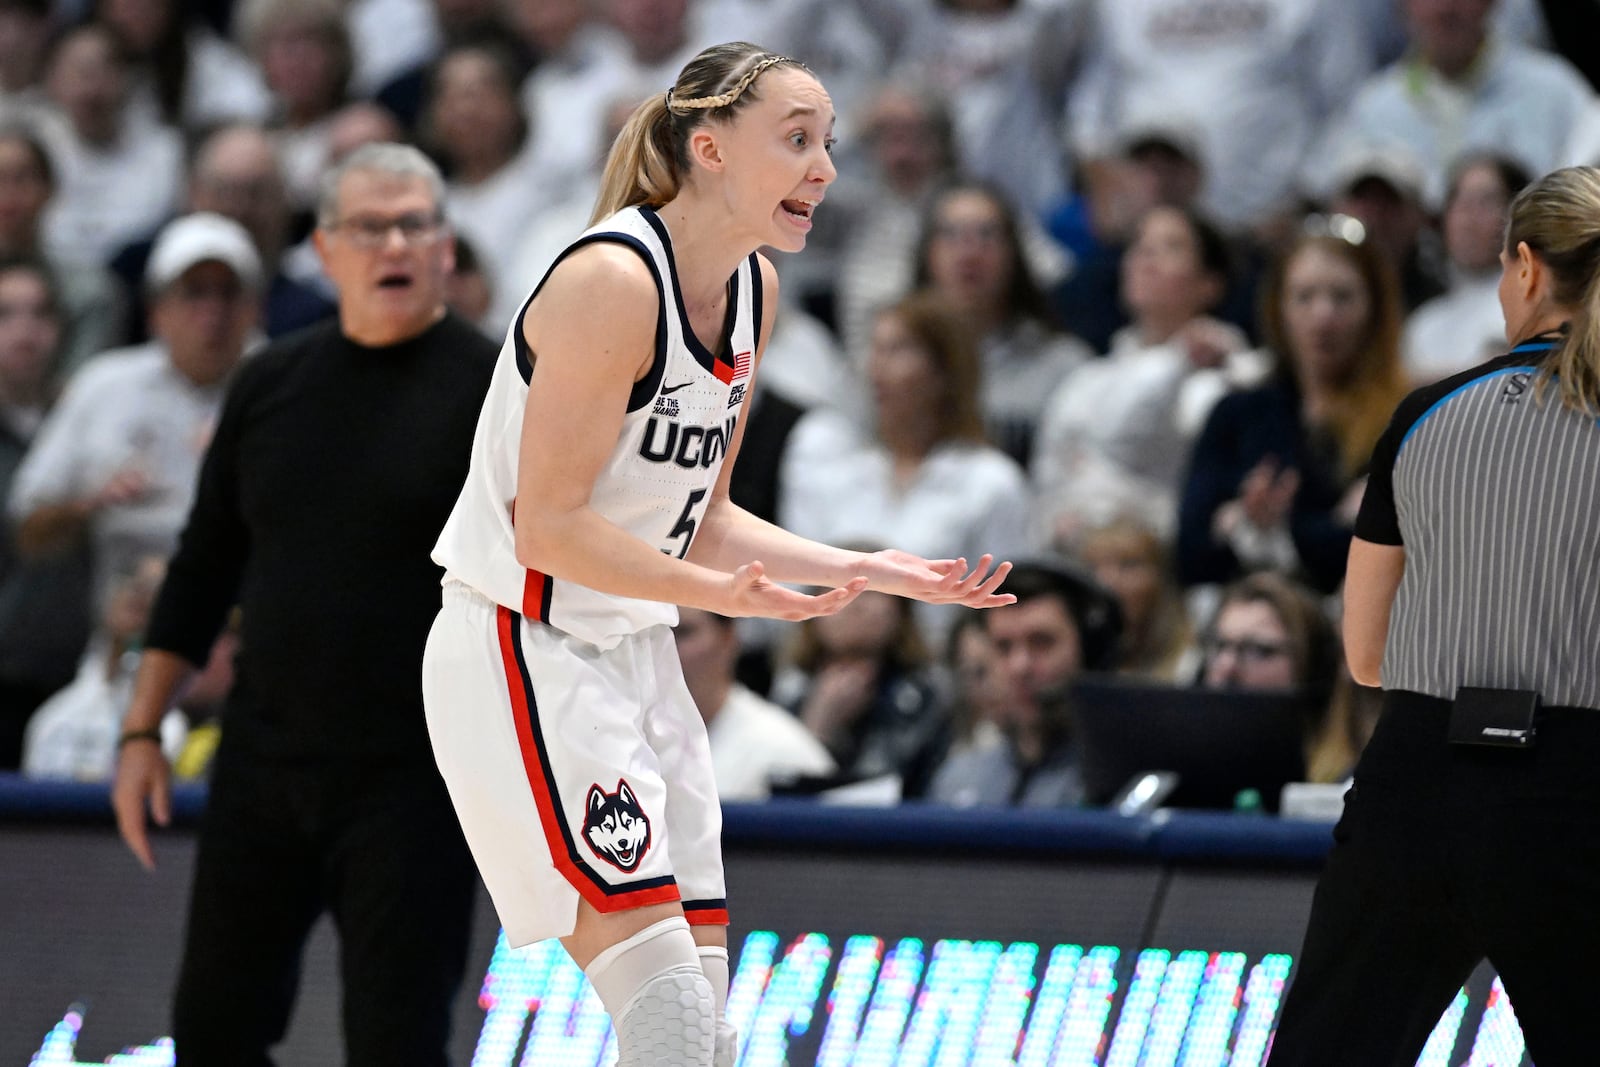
[616, 828]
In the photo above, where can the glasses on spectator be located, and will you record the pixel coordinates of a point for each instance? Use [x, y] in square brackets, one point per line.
[1344, 228]
[372, 231]
[1244, 648]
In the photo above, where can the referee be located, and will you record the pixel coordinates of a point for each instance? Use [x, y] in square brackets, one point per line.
[1472, 829]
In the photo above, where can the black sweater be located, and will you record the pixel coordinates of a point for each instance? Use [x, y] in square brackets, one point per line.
[332, 471]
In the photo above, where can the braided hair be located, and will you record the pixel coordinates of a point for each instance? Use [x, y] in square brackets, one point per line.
[650, 157]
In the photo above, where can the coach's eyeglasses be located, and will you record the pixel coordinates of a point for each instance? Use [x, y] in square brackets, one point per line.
[1344, 228]
[372, 231]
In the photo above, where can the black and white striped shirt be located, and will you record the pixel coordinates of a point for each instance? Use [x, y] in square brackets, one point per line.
[1496, 498]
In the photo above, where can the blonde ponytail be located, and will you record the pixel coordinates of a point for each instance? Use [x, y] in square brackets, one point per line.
[1558, 217]
[649, 160]
[640, 168]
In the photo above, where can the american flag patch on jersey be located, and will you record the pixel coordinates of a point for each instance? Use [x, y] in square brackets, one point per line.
[741, 366]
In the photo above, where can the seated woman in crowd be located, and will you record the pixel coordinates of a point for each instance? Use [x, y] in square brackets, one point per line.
[1277, 473]
[971, 259]
[1131, 560]
[860, 682]
[1116, 433]
[1270, 633]
[924, 478]
[1464, 325]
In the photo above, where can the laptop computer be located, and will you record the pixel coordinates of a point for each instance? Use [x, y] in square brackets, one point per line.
[1219, 742]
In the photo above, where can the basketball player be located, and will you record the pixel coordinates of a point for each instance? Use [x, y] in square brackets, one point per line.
[596, 500]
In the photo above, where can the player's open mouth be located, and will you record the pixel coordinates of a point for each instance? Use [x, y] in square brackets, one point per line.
[799, 211]
[395, 281]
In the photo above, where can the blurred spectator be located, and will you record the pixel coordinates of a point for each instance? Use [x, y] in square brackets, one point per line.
[476, 130]
[118, 457]
[1269, 633]
[44, 603]
[303, 50]
[1154, 164]
[871, 225]
[1277, 473]
[1462, 88]
[1132, 562]
[1115, 434]
[183, 73]
[1061, 625]
[461, 22]
[96, 143]
[970, 257]
[1464, 326]
[592, 54]
[388, 38]
[467, 290]
[1004, 67]
[1254, 81]
[978, 694]
[90, 303]
[73, 735]
[754, 742]
[924, 479]
[235, 173]
[1380, 186]
[24, 35]
[859, 681]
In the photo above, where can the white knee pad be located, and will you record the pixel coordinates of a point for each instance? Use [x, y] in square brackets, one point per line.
[714, 962]
[658, 998]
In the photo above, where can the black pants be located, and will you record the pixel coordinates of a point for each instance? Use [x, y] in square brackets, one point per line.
[1446, 855]
[377, 847]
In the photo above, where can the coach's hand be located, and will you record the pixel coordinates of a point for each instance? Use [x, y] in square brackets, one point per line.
[143, 777]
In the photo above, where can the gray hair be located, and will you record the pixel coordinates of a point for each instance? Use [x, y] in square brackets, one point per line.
[397, 160]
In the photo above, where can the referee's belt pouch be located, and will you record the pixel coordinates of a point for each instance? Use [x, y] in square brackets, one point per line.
[1505, 718]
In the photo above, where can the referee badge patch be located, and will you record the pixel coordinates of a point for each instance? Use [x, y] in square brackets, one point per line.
[616, 827]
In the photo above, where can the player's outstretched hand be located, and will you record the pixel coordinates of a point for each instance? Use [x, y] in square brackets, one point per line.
[753, 593]
[937, 581]
[143, 777]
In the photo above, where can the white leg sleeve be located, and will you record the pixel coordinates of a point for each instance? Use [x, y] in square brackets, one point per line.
[714, 962]
[659, 1000]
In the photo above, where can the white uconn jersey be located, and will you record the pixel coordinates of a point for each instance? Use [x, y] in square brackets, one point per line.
[680, 420]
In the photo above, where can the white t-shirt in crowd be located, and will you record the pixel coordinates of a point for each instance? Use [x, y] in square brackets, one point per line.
[755, 743]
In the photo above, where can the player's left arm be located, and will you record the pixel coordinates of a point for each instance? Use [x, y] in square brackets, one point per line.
[730, 536]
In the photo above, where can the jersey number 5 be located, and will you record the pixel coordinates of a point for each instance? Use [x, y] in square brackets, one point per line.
[685, 527]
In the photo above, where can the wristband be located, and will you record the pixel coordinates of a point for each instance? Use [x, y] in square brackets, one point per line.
[152, 734]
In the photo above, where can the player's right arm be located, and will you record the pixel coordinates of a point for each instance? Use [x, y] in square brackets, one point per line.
[591, 331]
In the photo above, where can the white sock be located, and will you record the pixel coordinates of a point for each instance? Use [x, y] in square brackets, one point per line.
[714, 962]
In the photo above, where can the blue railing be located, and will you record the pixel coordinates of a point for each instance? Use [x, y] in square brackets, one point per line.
[1172, 836]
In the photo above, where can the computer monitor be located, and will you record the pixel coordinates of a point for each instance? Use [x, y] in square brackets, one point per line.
[1219, 742]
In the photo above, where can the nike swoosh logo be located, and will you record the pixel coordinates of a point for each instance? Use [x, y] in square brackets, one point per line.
[665, 389]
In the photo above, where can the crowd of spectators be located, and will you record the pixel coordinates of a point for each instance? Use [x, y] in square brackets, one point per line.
[1126, 289]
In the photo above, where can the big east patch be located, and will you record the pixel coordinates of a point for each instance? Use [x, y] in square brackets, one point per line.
[615, 827]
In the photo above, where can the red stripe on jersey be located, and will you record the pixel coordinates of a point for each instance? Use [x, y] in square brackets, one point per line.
[723, 371]
[549, 813]
[535, 595]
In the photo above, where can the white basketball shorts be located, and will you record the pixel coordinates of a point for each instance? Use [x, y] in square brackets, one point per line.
[574, 772]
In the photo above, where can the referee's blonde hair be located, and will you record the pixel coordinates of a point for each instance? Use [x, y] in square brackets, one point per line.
[650, 158]
[1559, 218]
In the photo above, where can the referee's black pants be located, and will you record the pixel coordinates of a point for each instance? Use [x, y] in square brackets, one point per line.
[380, 849]
[1446, 855]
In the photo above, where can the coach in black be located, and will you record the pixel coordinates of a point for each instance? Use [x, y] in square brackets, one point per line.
[337, 457]
[1473, 826]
